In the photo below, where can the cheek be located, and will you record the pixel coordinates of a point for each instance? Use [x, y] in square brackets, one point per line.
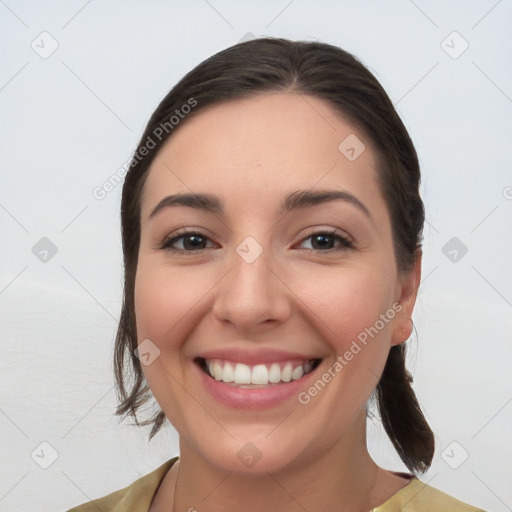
[345, 305]
[348, 303]
[165, 300]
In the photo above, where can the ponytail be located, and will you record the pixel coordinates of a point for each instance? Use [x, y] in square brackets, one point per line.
[401, 415]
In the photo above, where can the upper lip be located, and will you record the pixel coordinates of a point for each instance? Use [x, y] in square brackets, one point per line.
[255, 356]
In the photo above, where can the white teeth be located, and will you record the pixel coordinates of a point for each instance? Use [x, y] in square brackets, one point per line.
[259, 374]
[242, 374]
[228, 374]
[286, 374]
[297, 373]
[217, 371]
[274, 373]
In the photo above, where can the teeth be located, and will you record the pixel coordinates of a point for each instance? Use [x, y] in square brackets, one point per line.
[260, 374]
[242, 374]
[217, 371]
[297, 373]
[228, 374]
[286, 374]
[274, 374]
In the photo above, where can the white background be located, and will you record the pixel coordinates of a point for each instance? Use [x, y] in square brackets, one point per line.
[70, 120]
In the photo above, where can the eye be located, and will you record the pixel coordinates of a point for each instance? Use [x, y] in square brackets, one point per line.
[324, 239]
[191, 241]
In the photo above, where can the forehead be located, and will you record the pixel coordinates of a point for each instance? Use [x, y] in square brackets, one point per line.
[260, 147]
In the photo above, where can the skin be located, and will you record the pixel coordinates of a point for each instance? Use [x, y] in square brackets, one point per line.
[252, 153]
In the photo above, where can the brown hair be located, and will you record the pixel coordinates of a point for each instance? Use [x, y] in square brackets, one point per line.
[337, 77]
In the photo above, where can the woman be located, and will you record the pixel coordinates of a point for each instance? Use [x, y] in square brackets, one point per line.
[272, 230]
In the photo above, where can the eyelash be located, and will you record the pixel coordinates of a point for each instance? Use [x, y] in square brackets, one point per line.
[166, 245]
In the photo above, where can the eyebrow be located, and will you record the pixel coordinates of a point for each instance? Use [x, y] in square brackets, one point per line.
[294, 201]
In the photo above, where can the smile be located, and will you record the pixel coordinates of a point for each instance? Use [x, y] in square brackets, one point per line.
[259, 375]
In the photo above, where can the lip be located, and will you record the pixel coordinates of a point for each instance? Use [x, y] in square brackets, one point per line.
[253, 399]
[252, 357]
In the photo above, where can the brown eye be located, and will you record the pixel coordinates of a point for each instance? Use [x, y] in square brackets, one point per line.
[322, 241]
[190, 242]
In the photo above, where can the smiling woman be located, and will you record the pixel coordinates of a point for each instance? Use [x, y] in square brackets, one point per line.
[272, 252]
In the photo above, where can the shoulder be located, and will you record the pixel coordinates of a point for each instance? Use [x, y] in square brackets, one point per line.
[139, 494]
[421, 497]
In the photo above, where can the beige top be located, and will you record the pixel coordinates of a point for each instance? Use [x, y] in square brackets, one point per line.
[137, 497]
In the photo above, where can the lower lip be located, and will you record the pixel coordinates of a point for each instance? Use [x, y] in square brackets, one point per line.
[259, 398]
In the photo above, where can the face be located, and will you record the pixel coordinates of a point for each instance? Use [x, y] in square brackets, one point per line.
[252, 291]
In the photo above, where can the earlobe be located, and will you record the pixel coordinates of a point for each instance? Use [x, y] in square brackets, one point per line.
[407, 293]
[404, 333]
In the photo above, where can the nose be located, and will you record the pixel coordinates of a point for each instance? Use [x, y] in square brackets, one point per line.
[253, 296]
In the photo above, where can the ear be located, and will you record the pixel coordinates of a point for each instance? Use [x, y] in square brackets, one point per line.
[406, 293]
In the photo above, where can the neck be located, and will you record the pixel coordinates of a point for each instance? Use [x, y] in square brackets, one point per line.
[342, 477]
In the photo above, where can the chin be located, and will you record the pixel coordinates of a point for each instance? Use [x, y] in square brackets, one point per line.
[251, 457]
